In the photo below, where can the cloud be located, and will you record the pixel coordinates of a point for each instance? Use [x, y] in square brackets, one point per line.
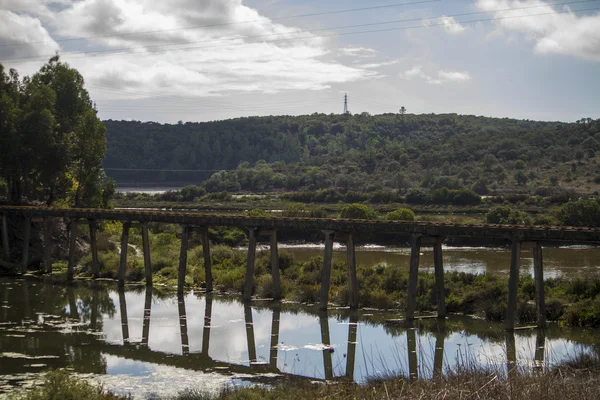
[231, 48]
[451, 25]
[438, 78]
[565, 33]
[362, 52]
[23, 36]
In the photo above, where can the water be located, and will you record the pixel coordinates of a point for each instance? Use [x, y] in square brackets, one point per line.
[570, 261]
[154, 342]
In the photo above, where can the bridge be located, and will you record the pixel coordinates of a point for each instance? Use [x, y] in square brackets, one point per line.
[421, 233]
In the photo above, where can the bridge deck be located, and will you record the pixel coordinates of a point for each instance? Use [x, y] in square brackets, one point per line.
[520, 232]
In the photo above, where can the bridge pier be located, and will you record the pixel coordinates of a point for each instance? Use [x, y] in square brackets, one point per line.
[93, 225]
[123, 259]
[147, 311]
[183, 259]
[325, 339]
[5, 247]
[207, 263]
[250, 265]
[413, 276]
[438, 358]
[352, 282]
[207, 321]
[513, 284]
[538, 268]
[47, 242]
[250, 334]
[274, 336]
[275, 266]
[26, 237]
[185, 343]
[326, 272]
[146, 251]
[439, 278]
[123, 312]
[351, 352]
[413, 362]
[72, 245]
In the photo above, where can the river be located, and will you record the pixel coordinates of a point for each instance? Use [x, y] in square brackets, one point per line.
[152, 342]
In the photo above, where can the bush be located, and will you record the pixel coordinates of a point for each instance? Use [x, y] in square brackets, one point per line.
[507, 215]
[191, 192]
[257, 212]
[401, 214]
[357, 211]
[584, 212]
[295, 210]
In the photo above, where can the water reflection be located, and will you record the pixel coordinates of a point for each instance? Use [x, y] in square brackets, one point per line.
[193, 339]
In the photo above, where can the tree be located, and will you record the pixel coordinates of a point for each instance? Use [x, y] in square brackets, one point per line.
[402, 110]
[507, 215]
[401, 214]
[584, 212]
[357, 211]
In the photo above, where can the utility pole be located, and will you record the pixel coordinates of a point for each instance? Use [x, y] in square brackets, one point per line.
[346, 112]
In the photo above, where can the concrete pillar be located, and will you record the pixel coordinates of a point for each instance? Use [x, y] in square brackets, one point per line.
[124, 245]
[123, 312]
[513, 284]
[325, 339]
[351, 353]
[275, 267]
[540, 350]
[147, 311]
[26, 237]
[352, 282]
[72, 248]
[5, 248]
[146, 251]
[94, 247]
[185, 343]
[411, 305]
[538, 268]
[207, 321]
[250, 266]
[47, 238]
[511, 354]
[413, 362]
[439, 278]
[438, 358]
[183, 259]
[326, 273]
[207, 262]
[250, 334]
[274, 336]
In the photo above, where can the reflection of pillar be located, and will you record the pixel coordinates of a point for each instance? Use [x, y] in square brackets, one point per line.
[352, 283]
[94, 312]
[207, 264]
[73, 313]
[26, 299]
[123, 259]
[185, 344]
[250, 333]
[94, 247]
[182, 259]
[72, 244]
[540, 349]
[274, 336]
[123, 312]
[439, 278]
[5, 305]
[326, 272]
[413, 367]
[147, 310]
[275, 266]
[511, 354]
[146, 250]
[513, 284]
[538, 268]
[26, 237]
[438, 359]
[327, 362]
[250, 264]
[351, 354]
[47, 238]
[411, 305]
[5, 248]
[207, 322]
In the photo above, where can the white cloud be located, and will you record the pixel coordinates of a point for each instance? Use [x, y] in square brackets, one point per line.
[23, 36]
[555, 33]
[451, 25]
[362, 52]
[438, 78]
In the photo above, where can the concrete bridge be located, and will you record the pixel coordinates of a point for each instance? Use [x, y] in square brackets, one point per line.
[421, 233]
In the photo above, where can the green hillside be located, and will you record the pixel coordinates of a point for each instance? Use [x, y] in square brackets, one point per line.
[361, 153]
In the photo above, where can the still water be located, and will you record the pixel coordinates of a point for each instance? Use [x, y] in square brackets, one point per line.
[152, 342]
[570, 261]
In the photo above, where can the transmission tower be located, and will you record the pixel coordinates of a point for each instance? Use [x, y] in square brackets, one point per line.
[346, 104]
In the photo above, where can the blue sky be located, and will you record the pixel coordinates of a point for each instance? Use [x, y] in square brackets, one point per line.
[535, 59]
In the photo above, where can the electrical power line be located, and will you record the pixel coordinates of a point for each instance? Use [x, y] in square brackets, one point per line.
[228, 23]
[100, 53]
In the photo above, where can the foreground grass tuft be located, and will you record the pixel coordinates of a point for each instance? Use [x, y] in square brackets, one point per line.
[60, 385]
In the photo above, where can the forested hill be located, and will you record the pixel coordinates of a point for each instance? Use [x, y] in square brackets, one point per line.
[359, 152]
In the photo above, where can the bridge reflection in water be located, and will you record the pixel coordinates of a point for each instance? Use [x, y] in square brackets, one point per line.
[417, 361]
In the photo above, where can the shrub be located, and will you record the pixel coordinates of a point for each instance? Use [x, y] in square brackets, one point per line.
[401, 214]
[584, 212]
[295, 210]
[357, 211]
[257, 212]
[507, 215]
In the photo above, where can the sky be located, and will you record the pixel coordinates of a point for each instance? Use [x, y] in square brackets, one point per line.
[203, 60]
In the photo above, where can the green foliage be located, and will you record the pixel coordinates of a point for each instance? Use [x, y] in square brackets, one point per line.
[295, 210]
[60, 385]
[507, 215]
[401, 214]
[584, 212]
[358, 211]
[257, 212]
